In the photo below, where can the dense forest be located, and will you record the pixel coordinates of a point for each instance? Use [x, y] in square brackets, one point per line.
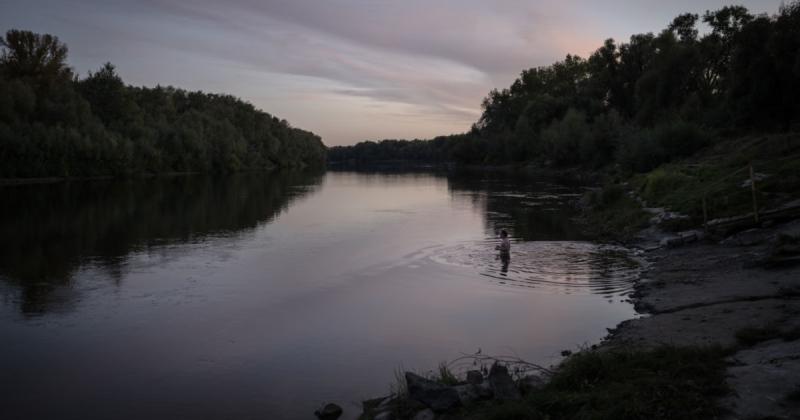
[636, 104]
[53, 123]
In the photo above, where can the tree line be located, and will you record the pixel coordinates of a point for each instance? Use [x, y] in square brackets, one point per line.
[53, 123]
[636, 104]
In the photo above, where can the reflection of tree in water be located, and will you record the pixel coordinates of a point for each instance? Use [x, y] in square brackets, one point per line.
[530, 208]
[536, 209]
[50, 230]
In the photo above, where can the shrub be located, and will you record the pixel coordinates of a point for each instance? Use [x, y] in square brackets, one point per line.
[661, 182]
[646, 149]
[680, 138]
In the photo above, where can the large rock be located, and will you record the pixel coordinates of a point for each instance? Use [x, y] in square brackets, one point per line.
[502, 384]
[436, 396]
[331, 411]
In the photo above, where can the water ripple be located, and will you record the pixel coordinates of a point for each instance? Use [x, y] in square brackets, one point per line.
[556, 266]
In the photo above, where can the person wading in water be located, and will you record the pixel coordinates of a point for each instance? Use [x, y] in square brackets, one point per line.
[505, 250]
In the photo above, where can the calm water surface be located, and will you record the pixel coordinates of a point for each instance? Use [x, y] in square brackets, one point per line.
[263, 296]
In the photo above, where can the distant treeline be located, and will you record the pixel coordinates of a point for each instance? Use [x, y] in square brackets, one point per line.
[53, 123]
[637, 104]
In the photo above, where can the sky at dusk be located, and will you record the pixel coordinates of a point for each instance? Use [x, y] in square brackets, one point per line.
[349, 70]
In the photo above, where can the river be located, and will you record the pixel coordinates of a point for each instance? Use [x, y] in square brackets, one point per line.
[265, 295]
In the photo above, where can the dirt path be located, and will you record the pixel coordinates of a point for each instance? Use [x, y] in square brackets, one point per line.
[705, 293]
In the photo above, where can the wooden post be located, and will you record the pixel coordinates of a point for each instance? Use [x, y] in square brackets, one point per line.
[753, 189]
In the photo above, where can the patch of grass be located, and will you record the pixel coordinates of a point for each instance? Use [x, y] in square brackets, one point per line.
[718, 173]
[445, 376]
[662, 181]
[663, 383]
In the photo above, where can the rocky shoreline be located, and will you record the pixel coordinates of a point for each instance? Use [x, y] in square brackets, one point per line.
[740, 292]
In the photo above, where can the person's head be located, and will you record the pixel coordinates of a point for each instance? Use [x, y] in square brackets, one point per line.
[503, 233]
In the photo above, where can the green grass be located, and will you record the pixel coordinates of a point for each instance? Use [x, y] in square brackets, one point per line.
[716, 174]
[662, 383]
[681, 186]
[445, 376]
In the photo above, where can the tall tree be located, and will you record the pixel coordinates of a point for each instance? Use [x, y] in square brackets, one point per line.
[27, 54]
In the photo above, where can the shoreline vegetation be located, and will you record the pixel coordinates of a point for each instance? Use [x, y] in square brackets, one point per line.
[54, 124]
[632, 106]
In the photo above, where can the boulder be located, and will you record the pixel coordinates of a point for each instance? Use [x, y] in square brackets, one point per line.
[435, 395]
[331, 411]
[502, 385]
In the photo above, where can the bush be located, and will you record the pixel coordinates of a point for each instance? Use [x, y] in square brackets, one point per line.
[639, 152]
[646, 149]
[663, 383]
[667, 382]
[661, 182]
[680, 138]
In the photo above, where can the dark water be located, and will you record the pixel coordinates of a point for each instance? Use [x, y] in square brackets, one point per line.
[263, 296]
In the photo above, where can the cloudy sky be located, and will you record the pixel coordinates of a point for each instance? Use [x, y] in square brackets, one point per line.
[349, 70]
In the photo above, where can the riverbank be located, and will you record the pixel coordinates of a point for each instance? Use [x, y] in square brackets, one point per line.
[741, 293]
[720, 339]
[727, 295]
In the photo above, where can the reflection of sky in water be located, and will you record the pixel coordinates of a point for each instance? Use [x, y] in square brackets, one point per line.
[255, 296]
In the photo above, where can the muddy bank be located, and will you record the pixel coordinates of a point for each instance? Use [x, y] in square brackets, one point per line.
[732, 293]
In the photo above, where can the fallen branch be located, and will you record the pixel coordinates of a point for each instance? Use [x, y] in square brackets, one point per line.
[517, 366]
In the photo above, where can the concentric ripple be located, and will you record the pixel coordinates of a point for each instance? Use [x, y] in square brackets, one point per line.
[557, 266]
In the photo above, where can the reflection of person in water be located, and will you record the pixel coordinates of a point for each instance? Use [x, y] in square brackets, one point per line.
[505, 250]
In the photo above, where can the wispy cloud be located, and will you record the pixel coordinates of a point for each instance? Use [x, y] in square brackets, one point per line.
[347, 69]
